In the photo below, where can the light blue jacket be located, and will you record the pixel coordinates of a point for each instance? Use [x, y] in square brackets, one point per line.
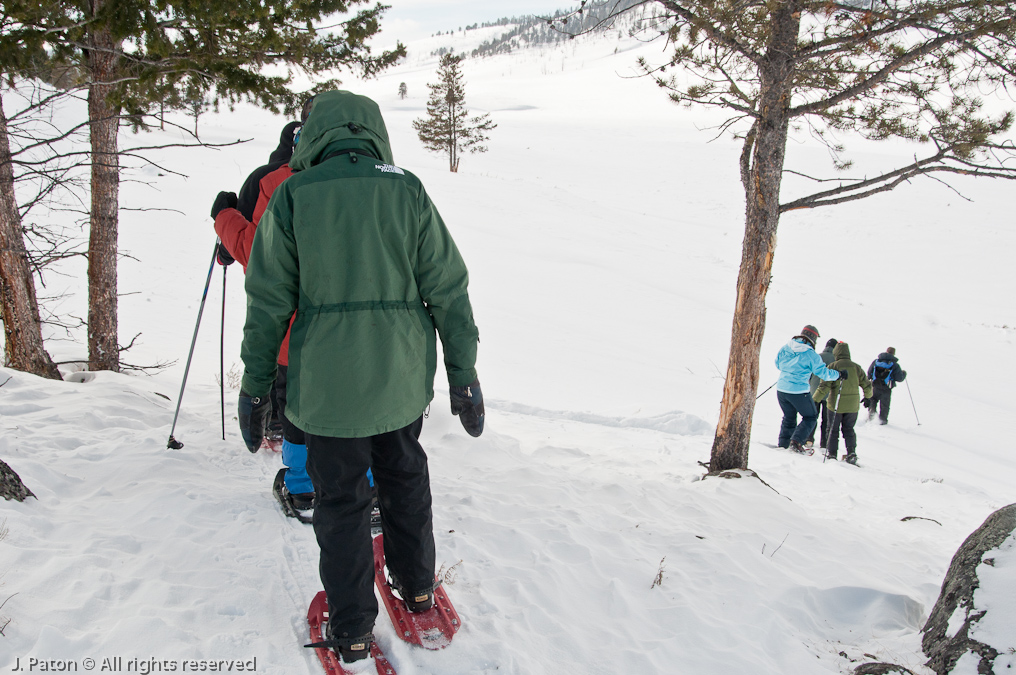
[797, 362]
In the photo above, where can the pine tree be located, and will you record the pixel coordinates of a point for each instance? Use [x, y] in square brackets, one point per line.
[403, 91]
[448, 128]
[23, 345]
[879, 69]
[139, 55]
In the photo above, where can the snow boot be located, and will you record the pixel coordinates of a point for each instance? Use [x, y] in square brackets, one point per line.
[851, 459]
[350, 649]
[416, 601]
[301, 502]
[797, 447]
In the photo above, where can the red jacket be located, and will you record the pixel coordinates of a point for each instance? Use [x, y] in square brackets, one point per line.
[237, 233]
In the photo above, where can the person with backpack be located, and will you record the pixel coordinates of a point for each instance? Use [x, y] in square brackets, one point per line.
[797, 362]
[843, 402]
[354, 248]
[236, 221]
[884, 372]
[823, 412]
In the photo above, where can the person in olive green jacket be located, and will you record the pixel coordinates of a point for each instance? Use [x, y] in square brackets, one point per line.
[844, 401]
[353, 245]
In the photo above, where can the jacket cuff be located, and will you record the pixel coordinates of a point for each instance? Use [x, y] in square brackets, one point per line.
[461, 378]
[254, 387]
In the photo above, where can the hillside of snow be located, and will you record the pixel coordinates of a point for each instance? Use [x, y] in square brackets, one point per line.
[602, 232]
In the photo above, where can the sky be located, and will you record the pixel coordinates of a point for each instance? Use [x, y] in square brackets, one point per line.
[408, 20]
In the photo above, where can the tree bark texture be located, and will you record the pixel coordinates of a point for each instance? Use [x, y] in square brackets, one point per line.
[762, 211]
[23, 346]
[104, 118]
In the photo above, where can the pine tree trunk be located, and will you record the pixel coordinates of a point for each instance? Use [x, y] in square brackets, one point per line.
[762, 214]
[23, 344]
[104, 118]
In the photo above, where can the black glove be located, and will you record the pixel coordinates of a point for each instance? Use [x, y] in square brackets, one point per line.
[843, 374]
[223, 256]
[223, 200]
[253, 416]
[467, 403]
[866, 402]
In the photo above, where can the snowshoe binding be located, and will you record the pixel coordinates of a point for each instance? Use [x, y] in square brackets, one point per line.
[796, 446]
[293, 505]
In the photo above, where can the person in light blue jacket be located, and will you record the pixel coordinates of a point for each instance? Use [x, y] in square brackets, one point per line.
[797, 362]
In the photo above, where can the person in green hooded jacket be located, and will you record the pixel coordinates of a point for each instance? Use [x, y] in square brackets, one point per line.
[353, 246]
[844, 401]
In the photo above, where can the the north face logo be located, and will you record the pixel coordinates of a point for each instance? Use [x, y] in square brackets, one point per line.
[388, 168]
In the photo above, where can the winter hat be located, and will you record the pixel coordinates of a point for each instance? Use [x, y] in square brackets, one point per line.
[831, 342]
[809, 333]
[891, 350]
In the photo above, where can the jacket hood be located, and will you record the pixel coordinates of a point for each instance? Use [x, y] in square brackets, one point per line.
[285, 148]
[886, 356]
[341, 120]
[798, 344]
[841, 351]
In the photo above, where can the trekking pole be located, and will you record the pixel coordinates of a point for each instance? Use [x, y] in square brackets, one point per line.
[912, 405]
[222, 355]
[173, 443]
[763, 393]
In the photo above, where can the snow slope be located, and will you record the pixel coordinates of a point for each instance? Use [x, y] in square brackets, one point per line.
[602, 231]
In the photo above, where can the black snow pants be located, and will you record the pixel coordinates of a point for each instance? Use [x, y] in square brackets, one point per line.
[881, 395]
[823, 416]
[846, 422]
[338, 467]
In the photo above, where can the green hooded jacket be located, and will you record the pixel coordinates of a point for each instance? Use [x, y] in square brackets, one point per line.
[353, 245]
[843, 394]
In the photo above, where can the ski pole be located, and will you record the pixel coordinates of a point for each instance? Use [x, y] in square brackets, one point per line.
[222, 355]
[763, 393]
[912, 405]
[173, 443]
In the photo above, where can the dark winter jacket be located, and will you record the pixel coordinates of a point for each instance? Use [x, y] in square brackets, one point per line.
[237, 233]
[844, 396]
[247, 199]
[354, 246]
[827, 358]
[235, 230]
[885, 371]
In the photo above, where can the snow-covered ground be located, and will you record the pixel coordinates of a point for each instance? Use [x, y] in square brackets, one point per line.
[602, 231]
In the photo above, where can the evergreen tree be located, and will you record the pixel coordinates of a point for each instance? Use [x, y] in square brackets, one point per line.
[880, 69]
[448, 128]
[136, 56]
[403, 90]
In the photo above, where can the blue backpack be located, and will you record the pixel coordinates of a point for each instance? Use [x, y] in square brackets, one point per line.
[885, 373]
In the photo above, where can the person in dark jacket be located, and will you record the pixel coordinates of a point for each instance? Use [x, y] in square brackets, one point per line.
[823, 412]
[844, 401]
[236, 220]
[797, 362]
[884, 372]
[353, 246]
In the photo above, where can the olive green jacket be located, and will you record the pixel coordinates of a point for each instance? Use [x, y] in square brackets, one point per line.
[353, 245]
[844, 396]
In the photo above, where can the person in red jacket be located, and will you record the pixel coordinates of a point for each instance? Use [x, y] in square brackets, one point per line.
[236, 221]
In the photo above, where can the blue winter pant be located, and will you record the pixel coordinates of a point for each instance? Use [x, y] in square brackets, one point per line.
[792, 404]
